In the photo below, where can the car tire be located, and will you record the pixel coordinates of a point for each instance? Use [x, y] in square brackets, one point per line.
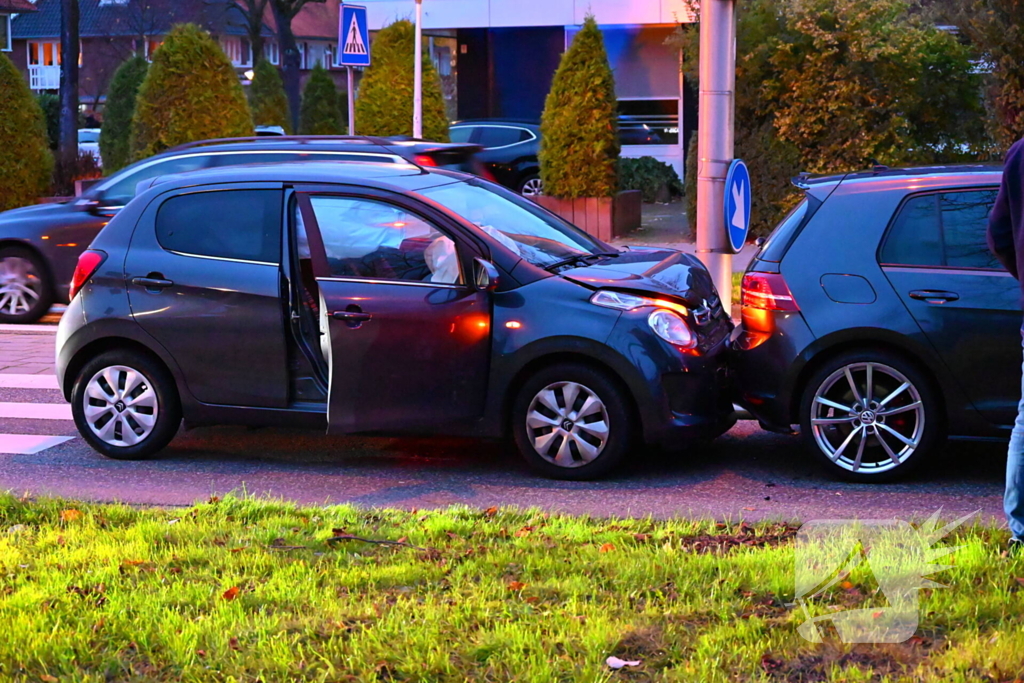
[531, 186]
[131, 388]
[873, 436]
[26, 292]
[600, 422]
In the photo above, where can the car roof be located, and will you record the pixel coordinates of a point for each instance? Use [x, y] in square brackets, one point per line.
[525, 123]
[390, 176]
[883, 178]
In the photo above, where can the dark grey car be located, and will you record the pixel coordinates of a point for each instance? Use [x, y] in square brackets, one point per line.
[39, 245]
[876, 319]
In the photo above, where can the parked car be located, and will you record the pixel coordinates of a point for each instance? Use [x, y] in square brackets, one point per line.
[510, 151]
[875, 318]
[39, 245]
[89, 141]
[373, 297]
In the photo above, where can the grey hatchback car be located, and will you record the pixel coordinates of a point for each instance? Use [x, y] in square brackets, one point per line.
[875, 318]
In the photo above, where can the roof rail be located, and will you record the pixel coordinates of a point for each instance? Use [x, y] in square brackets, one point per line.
[301, 139]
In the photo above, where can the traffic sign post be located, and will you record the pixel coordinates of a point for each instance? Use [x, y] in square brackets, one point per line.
[354, 39]
[737, 204]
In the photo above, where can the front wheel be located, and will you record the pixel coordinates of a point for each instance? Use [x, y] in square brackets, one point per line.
[572, 421]
[25, 293]
[125, 405]
[870, 416]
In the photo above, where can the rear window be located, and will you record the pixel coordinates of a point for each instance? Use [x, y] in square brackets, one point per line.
[784, 233]
[233, 224]
[500, 136]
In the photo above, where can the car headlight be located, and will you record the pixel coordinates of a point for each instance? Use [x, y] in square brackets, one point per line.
[630, 302]
[671, 327]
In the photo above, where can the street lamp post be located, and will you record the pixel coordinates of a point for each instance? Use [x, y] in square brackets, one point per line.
[417, 92]
[715, 139]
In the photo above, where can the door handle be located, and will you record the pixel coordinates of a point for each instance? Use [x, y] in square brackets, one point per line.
[151, 282]
[351, 316]
[934, 296]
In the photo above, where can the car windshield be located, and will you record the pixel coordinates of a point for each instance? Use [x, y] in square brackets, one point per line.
[88, 136]
[517, 223]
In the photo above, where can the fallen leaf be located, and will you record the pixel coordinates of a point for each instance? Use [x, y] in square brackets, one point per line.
[1019, 580]
[641, 538]
[750, 509]
[233, 644]
[846, 585]
[133, 563]
[46, 678]
[237, 550]
[616, 663]
[877, 614]
[607, 547]
[230, 594]
[524, 531]
[491, 511]
[214, 499]
[516, 586]
[70, 515]
[201, 653]
[533, 599]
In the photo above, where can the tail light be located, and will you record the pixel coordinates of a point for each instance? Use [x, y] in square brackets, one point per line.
[88, 263]
[424, 160]
[767, 292]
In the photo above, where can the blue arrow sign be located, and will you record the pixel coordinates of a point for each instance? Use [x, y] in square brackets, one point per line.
[353, 37]
[737, 204]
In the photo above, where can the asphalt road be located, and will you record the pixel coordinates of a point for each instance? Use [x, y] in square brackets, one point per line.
[746, 474]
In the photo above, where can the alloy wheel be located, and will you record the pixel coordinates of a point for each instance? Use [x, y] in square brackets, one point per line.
[567, 424]
[868, 418]
[533, 187]
[20, 285]
[121, 406]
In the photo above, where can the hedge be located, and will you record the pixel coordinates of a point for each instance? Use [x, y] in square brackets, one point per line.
[190, 93]
[320, 113]
[579, 136]
[267, 100]
[25, 158]
[115, 134]
[384, 105]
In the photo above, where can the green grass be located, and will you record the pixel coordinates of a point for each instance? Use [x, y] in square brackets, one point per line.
[244, 590]
[737, 293]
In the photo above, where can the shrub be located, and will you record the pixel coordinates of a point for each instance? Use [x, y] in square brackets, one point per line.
[384, 105]
[320, 113]
[50, 104]
[115, 134]
[25, 158]
[579, 136]
[190, 93]
[83, 167]
[648, 175]
[267, 100]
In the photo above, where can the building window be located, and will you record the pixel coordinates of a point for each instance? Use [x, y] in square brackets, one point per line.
[44, 65]
[271, 52]
[304, 56]
[238, 51]
[146, 48]
[329, 56]
[5, 32]
[649, 122]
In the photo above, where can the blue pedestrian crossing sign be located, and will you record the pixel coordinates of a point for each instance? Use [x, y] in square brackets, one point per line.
[737, 204]
[353, 37]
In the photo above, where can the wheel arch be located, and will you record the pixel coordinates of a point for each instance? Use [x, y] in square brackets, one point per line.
[102, 345]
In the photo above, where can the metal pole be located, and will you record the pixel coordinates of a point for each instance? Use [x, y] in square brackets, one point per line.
[351, 102]
[417, 92]
[715, 139]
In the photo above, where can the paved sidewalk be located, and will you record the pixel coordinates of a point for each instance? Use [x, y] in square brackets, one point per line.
[27, 353]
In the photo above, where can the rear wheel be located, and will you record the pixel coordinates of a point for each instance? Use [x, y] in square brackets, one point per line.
[125, 405]
[25, 293]
[571, 421]
[870, 416]
[531, 186]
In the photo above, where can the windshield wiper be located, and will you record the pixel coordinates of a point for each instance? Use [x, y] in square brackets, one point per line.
[575, 259]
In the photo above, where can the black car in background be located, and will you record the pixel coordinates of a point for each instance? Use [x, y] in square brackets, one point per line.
[379, 297]
[510, 151]
[875, 318]
[39, 245]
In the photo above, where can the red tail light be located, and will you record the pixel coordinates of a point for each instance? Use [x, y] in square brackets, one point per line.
[424, 160]
[767, 292]
[88, 263]
[486, 174]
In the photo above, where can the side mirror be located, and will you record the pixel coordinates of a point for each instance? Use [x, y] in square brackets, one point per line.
[485, 275]
[759, 242]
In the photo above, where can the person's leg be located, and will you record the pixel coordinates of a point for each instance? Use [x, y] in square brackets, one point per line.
[1013, 501]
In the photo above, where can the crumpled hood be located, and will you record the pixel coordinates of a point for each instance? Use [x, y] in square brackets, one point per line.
[651, 271]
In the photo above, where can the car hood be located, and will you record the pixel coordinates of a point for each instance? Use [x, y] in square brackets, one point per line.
[34, 211]
[665, 272]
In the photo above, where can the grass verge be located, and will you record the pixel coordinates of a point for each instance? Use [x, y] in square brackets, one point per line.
[244, 590]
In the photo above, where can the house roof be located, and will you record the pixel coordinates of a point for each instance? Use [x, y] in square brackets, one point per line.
[103, 18]
[16, 6]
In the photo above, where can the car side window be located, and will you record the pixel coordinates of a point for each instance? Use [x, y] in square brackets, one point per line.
[233, 224]
[914, 239]
[460, 133]
[366, 238]
[964, 224]
[123, 191]
[499, 136]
